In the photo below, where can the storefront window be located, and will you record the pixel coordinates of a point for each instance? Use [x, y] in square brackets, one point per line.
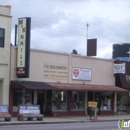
[106, 101]
[59, 100]
[122, 102]
[21, 97]
[28, 96]
[49, 100]
[77, 100]
[18, 99]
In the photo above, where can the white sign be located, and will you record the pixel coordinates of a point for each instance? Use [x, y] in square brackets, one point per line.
[3, 108]
[81, 74]
[119, 68]
[34, 109]
[21, 45]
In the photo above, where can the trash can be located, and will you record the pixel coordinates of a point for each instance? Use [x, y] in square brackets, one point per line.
[90, 111]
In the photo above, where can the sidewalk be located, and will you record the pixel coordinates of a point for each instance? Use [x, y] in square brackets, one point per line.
[66, 119]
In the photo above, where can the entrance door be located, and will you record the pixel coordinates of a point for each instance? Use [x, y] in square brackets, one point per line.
[90, 96]
[98, 100]
[40, 99]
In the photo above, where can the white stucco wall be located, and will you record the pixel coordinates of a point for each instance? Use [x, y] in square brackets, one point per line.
[102, 69]
[5, 23]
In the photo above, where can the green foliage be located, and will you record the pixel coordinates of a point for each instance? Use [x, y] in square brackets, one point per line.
[74, 52]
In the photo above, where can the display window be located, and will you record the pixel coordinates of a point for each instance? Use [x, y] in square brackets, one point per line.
[78, 102]
[18, 99]
[122, 102]
[21, 97]
[59, 100]
[28, 97]
[105, 101]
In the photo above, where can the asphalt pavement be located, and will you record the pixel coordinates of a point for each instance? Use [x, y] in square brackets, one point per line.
[65, 126]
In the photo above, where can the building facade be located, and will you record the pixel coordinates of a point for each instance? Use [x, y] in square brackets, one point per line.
[122, 79]
[62, 84]
[5, 38]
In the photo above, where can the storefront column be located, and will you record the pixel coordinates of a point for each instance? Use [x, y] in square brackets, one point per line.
[69, 100]
[11, 101]
[86, 99]
[45, 96]
[115, 102]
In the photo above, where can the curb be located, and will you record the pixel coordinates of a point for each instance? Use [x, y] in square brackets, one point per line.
[61, 122]
[106, 120]
[103, 120]
[34, 123]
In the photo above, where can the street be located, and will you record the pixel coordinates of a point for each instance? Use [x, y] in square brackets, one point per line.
[66, 126]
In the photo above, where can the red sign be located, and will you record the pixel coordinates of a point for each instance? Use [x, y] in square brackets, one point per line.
[76, 72]
[21, 70]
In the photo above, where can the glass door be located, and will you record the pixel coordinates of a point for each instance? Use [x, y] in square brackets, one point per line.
[97, 99]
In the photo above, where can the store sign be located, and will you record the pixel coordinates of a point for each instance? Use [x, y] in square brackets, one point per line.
[32, 109]
[119, 68]
[92, 104]
[3, 109]
[123, 58]
[125, 78]
[23, 51]
[55, 71]
[81, 74]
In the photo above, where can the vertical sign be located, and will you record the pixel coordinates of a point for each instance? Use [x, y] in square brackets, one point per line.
[91, 47]
[23, 50]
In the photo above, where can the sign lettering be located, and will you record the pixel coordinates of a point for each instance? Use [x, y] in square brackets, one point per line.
[119, 68]
[23, 51]
[81, 73]
[55, 71]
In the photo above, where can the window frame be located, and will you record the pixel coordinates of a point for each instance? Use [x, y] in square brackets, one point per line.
[54, 106]
[72, 101]
[3, 38]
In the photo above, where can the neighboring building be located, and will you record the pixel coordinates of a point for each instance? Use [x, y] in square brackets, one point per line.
[5, 38]
[121, 54]
[64, 83]
[61, 83]
[122, 78]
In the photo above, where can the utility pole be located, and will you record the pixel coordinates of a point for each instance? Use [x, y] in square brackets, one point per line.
[87, 30]
[87, 37]
[15, 36]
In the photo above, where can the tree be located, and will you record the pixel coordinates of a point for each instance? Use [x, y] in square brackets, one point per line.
[74, 52]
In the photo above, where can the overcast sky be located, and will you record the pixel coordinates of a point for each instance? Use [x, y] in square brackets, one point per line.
[60, 25]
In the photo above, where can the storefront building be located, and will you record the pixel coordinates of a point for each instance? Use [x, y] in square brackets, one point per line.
[62, 84]
[123, 81]
[5, 36]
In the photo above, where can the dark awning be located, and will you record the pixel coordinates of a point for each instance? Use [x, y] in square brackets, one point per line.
[64, 86]
[123, 80]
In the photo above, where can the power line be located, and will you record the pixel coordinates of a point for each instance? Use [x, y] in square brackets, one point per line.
[93, 32]
[50, 21]
[87, 29]
[55, 39]
[59, 32]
